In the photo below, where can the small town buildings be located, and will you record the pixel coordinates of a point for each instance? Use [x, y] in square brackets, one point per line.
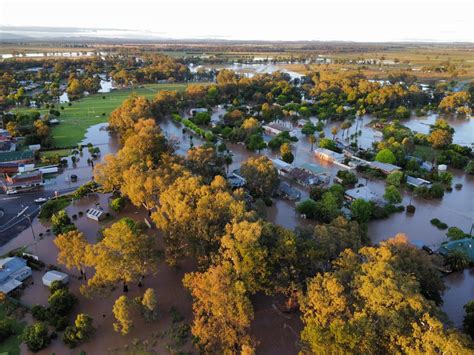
[24, 157]
[236, 181]
[417, 182]
[22, 181]
[277, 127]
[95, 214]
[329, 155]
[466, 245]
[8, 169]
[282, 167]
[54, 275]
[304, 177]
[385, 168]
[287, 192]
[363, 193]
[13, 270]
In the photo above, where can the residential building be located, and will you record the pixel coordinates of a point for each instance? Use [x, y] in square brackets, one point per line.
[277, 127]
[417, 182]
[288, 192]
[329, 155]
[385, 168]
[13, 270]
[25, 156]
[364, 193]
[236, 181]
[22, 181]
[466, 245]
[304, 177]
[194, 111]
[282, 167]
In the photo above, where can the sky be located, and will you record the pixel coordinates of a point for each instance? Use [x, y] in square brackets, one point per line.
[291, 20]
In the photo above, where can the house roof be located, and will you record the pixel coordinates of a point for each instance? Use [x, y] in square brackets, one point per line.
[16, 156]
[363, 193]
[329, 153]
[315, 169]
[414, 181]
[384, 166]
[9, 266]
[466, 245]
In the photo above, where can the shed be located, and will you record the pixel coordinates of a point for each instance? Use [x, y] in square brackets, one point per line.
[54, 275]
[95, 214]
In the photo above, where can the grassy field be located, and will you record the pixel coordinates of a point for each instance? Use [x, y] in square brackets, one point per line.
[94, 109]
[11, 346]
[425, 152]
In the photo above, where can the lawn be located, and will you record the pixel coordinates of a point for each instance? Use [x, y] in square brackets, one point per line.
[11, 346]
[95, 109]
[51, 153]
[425, 152]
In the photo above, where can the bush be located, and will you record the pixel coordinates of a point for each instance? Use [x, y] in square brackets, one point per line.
[411, 209]
[36, 336]
[6, 329]
[117, 204]
[61, 302]
[458, 186]
[39, 313]
[53, 206]
[440, 225]
[454, 233]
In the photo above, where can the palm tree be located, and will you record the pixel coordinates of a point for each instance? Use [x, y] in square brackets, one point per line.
[334, 131]
[312, 140]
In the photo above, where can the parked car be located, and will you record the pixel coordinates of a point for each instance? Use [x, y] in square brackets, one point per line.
[11, 192]
[41, 200]
[73, 178]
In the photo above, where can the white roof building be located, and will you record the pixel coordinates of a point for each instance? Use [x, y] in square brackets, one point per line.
[329, 155]
[13, 270]
[54, 275]
[95, 214]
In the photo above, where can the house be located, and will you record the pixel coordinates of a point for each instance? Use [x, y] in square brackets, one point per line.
[466, 245]
[363, 193]
[25, 156]
[27, 180]
[236, 181]
[7, 146]
[417, 182]
[303, 177]
[13, 271]
[329, 155]
[277, 127]
[385, 168]
[8, 168]
[282, 167]
[287, 192]
[95, 214]
[54, 275]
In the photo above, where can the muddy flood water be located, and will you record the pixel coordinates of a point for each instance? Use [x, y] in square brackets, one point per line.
[276, 332]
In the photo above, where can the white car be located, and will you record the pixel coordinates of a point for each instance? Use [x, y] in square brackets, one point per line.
[41, 200]
[11, 192]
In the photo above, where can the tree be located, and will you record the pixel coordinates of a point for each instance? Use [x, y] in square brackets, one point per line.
[470, 168]
[457, 259]
[468, 322]
[222, 310]
[307, 208]
[36, 336]
[334, 132]
[124, 254]
[361, 210]
[440, 138]
[385, 156]
[261, 176]
[312, 140]
[328, 144]
[61, 302]
[348, 177]
[193, 216]
[366, 304]
[6, 329]
[72, 248]
[392, 194]
[12, 128]
[124, 117]
[41, 128]
[286, 154]
[60, 222]
[80, 332]
[122, 315]
[394, 178]
[149, 304]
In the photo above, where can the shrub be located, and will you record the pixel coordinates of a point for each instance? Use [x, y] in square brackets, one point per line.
[458, 186]
[117, 204]
[6, 329]
[36, 336]
[440, 225]
[39, 313]
[61, 302]
[455, 233]
[411, 209]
